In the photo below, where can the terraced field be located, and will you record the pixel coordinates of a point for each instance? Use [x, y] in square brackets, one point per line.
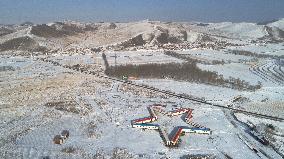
[272, 70]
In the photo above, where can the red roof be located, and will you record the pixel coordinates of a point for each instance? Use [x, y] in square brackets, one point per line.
[176, 137]
[143, 119]
[157, 105]
[189, 114]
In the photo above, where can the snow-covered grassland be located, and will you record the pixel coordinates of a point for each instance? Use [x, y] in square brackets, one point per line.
[40, 96]
[139, 57]
[266, 49]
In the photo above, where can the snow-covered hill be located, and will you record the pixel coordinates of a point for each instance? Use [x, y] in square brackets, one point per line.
[70, 36]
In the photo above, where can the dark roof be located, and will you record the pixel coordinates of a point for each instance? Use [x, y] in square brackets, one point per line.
[65, 133]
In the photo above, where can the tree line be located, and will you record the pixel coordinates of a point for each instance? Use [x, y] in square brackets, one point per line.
[187, 71]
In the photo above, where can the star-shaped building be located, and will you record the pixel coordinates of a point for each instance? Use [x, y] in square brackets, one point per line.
[145, 123]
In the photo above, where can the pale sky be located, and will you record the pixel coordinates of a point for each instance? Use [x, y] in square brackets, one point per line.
[43, 11]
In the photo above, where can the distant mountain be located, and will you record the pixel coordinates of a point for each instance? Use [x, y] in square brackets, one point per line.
[27, 24]
[267, 22]
[239, 30]
[142, 34]
[279, 24]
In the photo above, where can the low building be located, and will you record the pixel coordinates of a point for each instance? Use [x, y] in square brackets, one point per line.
[144, 120]
[146, 126]
[58, 139]
[197, 130]
[188, 116]
[177, 112]
[176, 136]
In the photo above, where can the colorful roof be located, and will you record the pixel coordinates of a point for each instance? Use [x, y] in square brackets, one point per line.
[153, 117]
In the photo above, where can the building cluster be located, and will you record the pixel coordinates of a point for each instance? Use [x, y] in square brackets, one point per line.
[144, 123]
[214, 45]
[72, 50]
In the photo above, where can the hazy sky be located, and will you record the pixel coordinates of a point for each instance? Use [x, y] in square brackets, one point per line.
[42, 11]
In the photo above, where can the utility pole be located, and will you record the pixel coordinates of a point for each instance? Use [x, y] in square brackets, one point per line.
[115, 59]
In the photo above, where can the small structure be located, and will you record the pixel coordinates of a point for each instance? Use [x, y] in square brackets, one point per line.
[188, 116]
[176, 137]
[58, 139]
[65, 134]
[177, 112]
[124, 77]
[157, 105]
[146, 126]
[144, 120]
[197, 130]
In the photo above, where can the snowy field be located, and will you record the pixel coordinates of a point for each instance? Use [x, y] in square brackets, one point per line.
[56, 81]
[74, 59]
[105, 112]
[40, 96]
[268, 49]
[139, 57]
[100, 120]
[239, 30]
[235, 70]
[213, 93]
[211, 55]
